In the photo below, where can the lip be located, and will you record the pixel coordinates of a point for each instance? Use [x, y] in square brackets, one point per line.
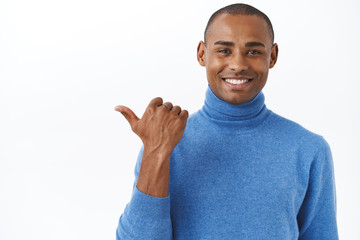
[235, 77]
[237, 86]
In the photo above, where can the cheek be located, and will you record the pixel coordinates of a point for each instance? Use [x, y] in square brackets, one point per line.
[211, 67]
[215, 66]
[213, 58]
[261, 66]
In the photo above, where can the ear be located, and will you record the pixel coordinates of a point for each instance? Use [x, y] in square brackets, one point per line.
[274, 55]
[201, 53]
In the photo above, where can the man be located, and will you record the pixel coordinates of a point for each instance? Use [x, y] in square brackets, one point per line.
[238, 170]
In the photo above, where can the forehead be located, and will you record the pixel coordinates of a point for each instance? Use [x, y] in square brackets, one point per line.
[238, 29]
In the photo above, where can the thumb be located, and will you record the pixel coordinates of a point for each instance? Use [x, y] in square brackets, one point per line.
[128, 114]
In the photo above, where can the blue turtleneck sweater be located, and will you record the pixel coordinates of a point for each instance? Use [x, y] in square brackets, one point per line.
[239, 172]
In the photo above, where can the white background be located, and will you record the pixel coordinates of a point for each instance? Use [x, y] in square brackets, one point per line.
[67, 158]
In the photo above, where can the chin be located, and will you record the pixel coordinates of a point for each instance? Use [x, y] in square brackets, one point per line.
[236, 100]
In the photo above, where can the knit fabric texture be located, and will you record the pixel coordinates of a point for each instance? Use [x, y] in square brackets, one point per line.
[239, 172]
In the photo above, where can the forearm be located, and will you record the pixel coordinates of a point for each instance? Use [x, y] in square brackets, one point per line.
[153, 177]
[145, 216]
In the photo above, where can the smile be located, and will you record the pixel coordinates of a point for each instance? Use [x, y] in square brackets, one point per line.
[236, 81]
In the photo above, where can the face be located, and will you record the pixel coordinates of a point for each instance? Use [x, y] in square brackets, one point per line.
[237, 55]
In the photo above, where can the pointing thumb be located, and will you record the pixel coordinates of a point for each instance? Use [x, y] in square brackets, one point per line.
[128, 114]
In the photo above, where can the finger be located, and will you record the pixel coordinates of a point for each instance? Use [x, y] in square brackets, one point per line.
[184, 114]
[168, 105]
[176, 110]
[156, 102]
[128, 114]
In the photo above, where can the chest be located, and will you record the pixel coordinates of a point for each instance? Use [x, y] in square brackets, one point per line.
[237, 171]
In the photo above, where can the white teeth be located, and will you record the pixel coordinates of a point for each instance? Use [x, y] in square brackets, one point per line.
[237, 81]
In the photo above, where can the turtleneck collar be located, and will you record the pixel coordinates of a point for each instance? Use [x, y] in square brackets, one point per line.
[220, 110]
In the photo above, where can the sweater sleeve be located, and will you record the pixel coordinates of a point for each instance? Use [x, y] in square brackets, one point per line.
[317, 215]
[145, 216]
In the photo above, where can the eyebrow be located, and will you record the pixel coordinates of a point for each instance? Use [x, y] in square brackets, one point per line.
[254, 44]
[231, 44]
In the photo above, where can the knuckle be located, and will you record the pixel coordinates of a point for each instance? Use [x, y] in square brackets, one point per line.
[177, 108]
[168, 105]
[185, 113]
[164, 108]
[149, 110]
[158, 99]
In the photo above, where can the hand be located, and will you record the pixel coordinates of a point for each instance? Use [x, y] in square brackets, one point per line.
[161, 126]
[160, 129]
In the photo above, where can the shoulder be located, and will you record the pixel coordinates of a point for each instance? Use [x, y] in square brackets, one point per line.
[310, 149]
[294, 133]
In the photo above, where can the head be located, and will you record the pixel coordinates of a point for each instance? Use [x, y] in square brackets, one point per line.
[238, 50]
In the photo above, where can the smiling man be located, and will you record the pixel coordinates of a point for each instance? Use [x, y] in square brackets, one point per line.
[234, 169]
[238, 52]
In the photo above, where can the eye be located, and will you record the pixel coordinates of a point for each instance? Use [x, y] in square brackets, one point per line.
[254, 52]
[225, 51]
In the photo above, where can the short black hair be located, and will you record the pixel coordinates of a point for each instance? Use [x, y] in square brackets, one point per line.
[241, 9]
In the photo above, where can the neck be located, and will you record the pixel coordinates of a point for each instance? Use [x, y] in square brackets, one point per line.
[218, 109]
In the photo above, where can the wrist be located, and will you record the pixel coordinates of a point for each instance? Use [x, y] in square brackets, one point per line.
[160, 153]
[154, 173]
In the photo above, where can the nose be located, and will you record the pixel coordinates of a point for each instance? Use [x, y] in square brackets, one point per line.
[238, 62]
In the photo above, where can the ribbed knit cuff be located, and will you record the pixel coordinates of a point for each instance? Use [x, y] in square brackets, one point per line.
[144, 206]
